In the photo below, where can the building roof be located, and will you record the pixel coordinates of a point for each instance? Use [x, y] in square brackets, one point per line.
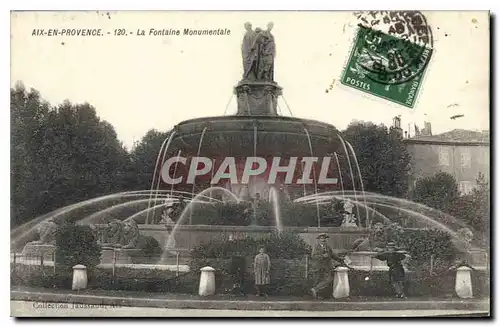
[456, 136]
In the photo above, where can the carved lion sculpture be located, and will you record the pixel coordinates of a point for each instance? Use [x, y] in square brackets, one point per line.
[375, 241]
[47, 232]
[130, 237]
[114, 233]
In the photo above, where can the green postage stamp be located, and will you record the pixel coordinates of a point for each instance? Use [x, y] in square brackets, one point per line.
[390, 65]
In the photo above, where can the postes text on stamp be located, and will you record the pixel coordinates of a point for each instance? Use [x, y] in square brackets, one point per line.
[389, 56]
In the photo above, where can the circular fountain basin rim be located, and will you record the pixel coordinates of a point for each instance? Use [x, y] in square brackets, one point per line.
[211, 119]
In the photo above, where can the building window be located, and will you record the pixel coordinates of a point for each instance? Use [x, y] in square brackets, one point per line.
[444, 156]
[484, 157]
[465, 187]
[465, 158]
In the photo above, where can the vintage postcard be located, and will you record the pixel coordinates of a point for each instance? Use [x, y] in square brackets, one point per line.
[250, 164]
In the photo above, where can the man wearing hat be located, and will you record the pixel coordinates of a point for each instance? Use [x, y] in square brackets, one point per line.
[322, 256]
[394, 257]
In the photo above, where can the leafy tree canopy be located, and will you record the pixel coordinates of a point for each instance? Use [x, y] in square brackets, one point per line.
[383, 160]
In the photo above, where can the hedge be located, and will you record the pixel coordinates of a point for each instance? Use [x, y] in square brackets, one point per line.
[125, 279]
[284, 245]
[421, 244]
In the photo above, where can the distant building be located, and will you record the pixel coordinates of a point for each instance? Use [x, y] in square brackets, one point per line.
[462, 153]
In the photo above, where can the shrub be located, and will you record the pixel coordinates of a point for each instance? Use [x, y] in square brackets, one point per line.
[287, 251]
[424, 243]
[77, 244]
[284, 245]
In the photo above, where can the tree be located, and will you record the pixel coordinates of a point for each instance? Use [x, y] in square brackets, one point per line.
[438, 191]
[474, 208]
[383, 159]
[29, 114]
[441, 192]
[60, 155]
[143, 158]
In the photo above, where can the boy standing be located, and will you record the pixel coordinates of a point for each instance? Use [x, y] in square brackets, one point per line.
[262, 266]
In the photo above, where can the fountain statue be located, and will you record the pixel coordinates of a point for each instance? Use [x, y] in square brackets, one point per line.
[246, 48]
[376, 240]
[47, 232]
[257, 92]
[130, 237]
[349, 219]
[170, 242]
[258, 51]
[45, 246]
[112, 234]
[122, 241]
[166, 217]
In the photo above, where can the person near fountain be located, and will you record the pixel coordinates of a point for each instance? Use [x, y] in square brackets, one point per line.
[394, 257]
[261, 267]
[324, 261]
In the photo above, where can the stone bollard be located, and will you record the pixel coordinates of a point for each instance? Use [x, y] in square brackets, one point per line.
[207, 281]
[341, 283]
[463, 283]
[79, 277]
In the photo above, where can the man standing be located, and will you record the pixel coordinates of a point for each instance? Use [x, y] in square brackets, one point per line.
[322, 256]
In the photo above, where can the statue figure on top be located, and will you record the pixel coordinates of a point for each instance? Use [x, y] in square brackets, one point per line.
[258, 52]
[246, 48]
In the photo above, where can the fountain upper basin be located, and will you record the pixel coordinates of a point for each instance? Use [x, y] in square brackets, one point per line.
[238, 135]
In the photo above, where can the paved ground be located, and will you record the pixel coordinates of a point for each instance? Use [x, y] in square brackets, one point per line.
[51, 302]
[44, 309]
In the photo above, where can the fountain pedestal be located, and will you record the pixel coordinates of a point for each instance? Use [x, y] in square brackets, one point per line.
[463, 283]
[257, 98]
[207, 281]
[341, 283]
[79, 278]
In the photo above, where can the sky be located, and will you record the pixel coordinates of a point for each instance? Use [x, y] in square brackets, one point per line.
[138, 83]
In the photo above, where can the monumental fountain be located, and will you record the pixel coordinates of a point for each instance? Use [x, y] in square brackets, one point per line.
[254, 155]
